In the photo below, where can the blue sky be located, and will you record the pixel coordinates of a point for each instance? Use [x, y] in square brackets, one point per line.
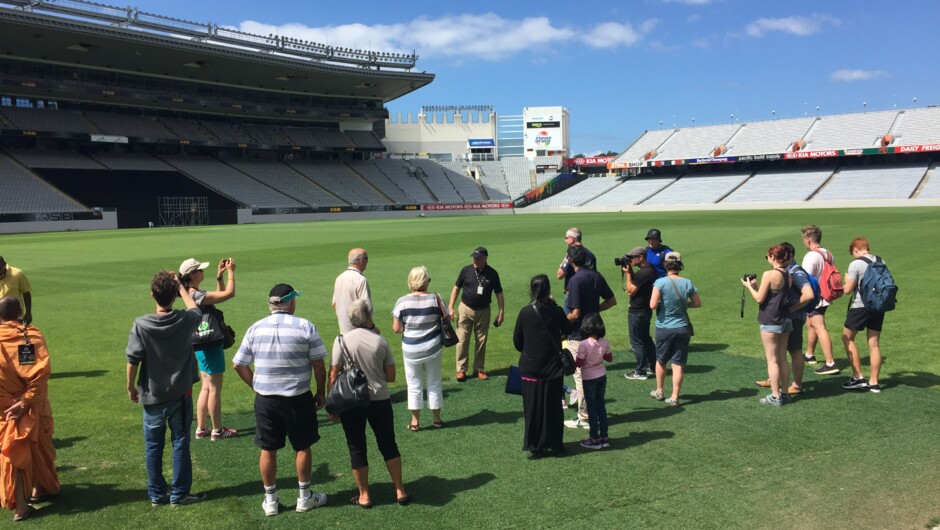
[624, 67]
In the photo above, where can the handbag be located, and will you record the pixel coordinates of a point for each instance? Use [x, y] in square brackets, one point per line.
[448, 335]
[564, 354]
[209, 333]
[228, 334]
[685, 306]
[514, 381]
[350, 389]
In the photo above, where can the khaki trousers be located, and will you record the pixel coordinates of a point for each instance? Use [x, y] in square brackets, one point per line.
[476, 321]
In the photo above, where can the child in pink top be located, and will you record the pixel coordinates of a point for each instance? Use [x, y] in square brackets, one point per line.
[592, 352]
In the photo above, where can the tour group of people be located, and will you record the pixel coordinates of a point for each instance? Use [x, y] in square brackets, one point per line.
[282, 357]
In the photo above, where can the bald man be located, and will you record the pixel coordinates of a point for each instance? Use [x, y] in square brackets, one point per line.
[350, 286]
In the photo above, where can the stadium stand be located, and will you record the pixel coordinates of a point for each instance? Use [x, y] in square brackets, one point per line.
[128, 125]
[53, 158]
[284, 179]
[776, 185]
[341, 181]
[881, 182]
[131, 162]
[229, 182]
[518, 175]
[366, 139]
[52, 120]
[762, 137]
[581, 193]
[648, 141]
[918, 127]
[187, 129]
[376, 175]
[439, 183]
[632, 191]
[401, 173]
[696, 141]
[699, 188]
[25, 192]
[931, 186]
[845, 131]
[493, 180]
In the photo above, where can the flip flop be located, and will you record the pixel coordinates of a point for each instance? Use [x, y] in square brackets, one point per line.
[405, 501]
[438, 424]
[355, 500]
[30, 511]
[414, 427]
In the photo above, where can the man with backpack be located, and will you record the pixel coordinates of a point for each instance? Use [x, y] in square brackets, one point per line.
[802, 295]
[873, 293]
[818, 262]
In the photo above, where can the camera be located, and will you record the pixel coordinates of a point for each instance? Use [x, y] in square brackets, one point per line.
[749, 277]
[622, 261]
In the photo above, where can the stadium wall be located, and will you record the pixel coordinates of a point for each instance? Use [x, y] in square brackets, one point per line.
[246, 216]
[45, 222]
[801, 205]
[437, 133]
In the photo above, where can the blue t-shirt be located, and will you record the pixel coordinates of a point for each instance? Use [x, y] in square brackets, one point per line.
[656, 257]
[799, 280]
[671, 314]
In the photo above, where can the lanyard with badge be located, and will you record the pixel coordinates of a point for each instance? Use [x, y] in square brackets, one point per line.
[26, 351]
[479, 281]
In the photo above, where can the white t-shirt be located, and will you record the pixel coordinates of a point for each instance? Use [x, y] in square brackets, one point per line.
[856, 271]
[813, 263]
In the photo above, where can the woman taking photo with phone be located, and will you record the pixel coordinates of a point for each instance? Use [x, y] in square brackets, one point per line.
[211, 359]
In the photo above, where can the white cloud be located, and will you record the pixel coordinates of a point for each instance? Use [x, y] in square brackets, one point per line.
[849, 75]
[486, 36]
[800, 26]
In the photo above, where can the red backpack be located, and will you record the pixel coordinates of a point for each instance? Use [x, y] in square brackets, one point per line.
[830, 281]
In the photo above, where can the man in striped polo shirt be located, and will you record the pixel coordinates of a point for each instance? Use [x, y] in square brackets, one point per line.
[284, 349]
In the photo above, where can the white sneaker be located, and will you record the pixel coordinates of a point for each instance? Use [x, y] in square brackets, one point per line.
[573, 397]
[315, 499]
[576, 423]
[270, 508]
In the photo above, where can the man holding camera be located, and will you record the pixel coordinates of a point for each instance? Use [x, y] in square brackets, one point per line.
[639, 285]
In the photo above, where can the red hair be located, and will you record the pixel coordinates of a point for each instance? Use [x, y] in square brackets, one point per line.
[859, 243]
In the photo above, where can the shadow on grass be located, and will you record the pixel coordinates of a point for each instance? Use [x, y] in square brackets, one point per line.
[707, 347]
[84, 498]
[89, 373]
[401, 395]
[635, 439]
[486, 416]
[717, 395]
[915, 379]
[61, 443]
[430, 491]
[641, 415]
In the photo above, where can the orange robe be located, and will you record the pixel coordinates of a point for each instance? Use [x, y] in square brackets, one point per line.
[25, 444]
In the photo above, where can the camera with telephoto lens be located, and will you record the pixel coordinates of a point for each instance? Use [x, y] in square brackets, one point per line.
[749, 277]
[622, 261]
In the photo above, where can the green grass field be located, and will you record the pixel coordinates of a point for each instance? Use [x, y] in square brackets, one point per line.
[832, 459]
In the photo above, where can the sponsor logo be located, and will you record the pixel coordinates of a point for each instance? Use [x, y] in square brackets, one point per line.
[811, 154]
[749, 158]
[543, 138]
[594, 161]
[54, 216]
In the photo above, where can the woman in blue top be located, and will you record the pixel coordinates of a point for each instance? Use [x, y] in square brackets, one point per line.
[775, 323]
[672, 296]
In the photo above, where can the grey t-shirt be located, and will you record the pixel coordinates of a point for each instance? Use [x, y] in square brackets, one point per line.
[856, 271]
[371, 353]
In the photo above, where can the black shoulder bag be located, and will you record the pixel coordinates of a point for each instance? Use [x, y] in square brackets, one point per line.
[567, 360]
[351, 389]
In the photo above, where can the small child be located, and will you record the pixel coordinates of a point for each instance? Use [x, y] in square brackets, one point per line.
[592, 352]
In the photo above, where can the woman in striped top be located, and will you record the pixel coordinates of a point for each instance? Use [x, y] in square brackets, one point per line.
[417, 318]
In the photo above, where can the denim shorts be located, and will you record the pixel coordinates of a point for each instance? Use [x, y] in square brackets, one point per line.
[786, 327]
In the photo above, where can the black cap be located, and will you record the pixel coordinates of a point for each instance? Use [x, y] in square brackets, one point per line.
[282, 293]
[480, 252]
[654, 234]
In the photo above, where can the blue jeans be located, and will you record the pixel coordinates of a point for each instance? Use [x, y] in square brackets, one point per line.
[594, 391]
[178, 415]
[641, 341]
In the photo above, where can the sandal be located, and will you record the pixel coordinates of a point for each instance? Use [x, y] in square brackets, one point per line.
[438, 424]
[657, 395]
[414, 427]
[404, 501]
[364, 506]
[30, 511]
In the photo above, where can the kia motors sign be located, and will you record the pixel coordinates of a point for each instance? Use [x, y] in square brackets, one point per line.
[591, 161]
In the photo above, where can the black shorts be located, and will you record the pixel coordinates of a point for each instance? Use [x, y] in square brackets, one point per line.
[280, 417]
[795, 339]
[821, 310]
[860, 318]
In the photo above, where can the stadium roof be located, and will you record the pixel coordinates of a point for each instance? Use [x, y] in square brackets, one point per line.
[77, 41]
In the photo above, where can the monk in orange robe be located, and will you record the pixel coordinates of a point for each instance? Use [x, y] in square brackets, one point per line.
[27, 457]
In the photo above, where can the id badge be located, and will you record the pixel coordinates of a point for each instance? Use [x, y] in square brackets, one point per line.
[480, 289]
[27, 354]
